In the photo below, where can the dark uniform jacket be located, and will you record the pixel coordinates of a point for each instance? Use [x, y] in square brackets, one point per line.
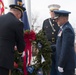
[65, 47]
[50, 34]
[11, 33]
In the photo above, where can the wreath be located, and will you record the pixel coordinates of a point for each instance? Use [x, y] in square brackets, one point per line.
[42, 60]
[43, 56]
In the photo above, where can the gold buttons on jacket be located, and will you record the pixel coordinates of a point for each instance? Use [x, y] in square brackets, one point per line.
[52, 32]
[53, 20]
[53, 39]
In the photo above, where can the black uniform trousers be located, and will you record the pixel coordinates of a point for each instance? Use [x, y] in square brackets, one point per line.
[4, 71]
[68, 72]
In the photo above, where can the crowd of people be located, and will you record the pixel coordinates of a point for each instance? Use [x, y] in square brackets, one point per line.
[57, 29]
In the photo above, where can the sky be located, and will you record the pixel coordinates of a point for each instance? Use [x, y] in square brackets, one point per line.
[40, 8]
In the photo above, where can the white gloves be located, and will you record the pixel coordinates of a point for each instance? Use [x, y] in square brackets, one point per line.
[23, 54]
[75, 70]
[60, 69]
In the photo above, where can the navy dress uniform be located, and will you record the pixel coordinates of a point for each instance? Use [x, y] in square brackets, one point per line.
[11, 34]
[65, 52]
[51, 29]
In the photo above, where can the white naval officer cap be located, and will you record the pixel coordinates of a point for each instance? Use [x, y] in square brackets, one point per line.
[53, 7]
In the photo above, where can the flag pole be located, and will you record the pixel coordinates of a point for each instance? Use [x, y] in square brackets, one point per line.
[28, 9]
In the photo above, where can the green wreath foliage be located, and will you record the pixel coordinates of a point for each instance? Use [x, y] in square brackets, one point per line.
[19, 61]
[44, 49]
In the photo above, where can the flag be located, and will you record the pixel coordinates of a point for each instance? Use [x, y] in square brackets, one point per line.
[1, 7]
[18, 2]
[25, 21]
[25, 17]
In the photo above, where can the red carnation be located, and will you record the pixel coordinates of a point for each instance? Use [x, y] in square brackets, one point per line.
[15, 65]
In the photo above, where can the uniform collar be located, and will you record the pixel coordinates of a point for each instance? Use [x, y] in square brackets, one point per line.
[65, 24]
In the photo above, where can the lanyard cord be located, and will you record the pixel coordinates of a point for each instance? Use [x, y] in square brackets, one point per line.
[51, 25]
